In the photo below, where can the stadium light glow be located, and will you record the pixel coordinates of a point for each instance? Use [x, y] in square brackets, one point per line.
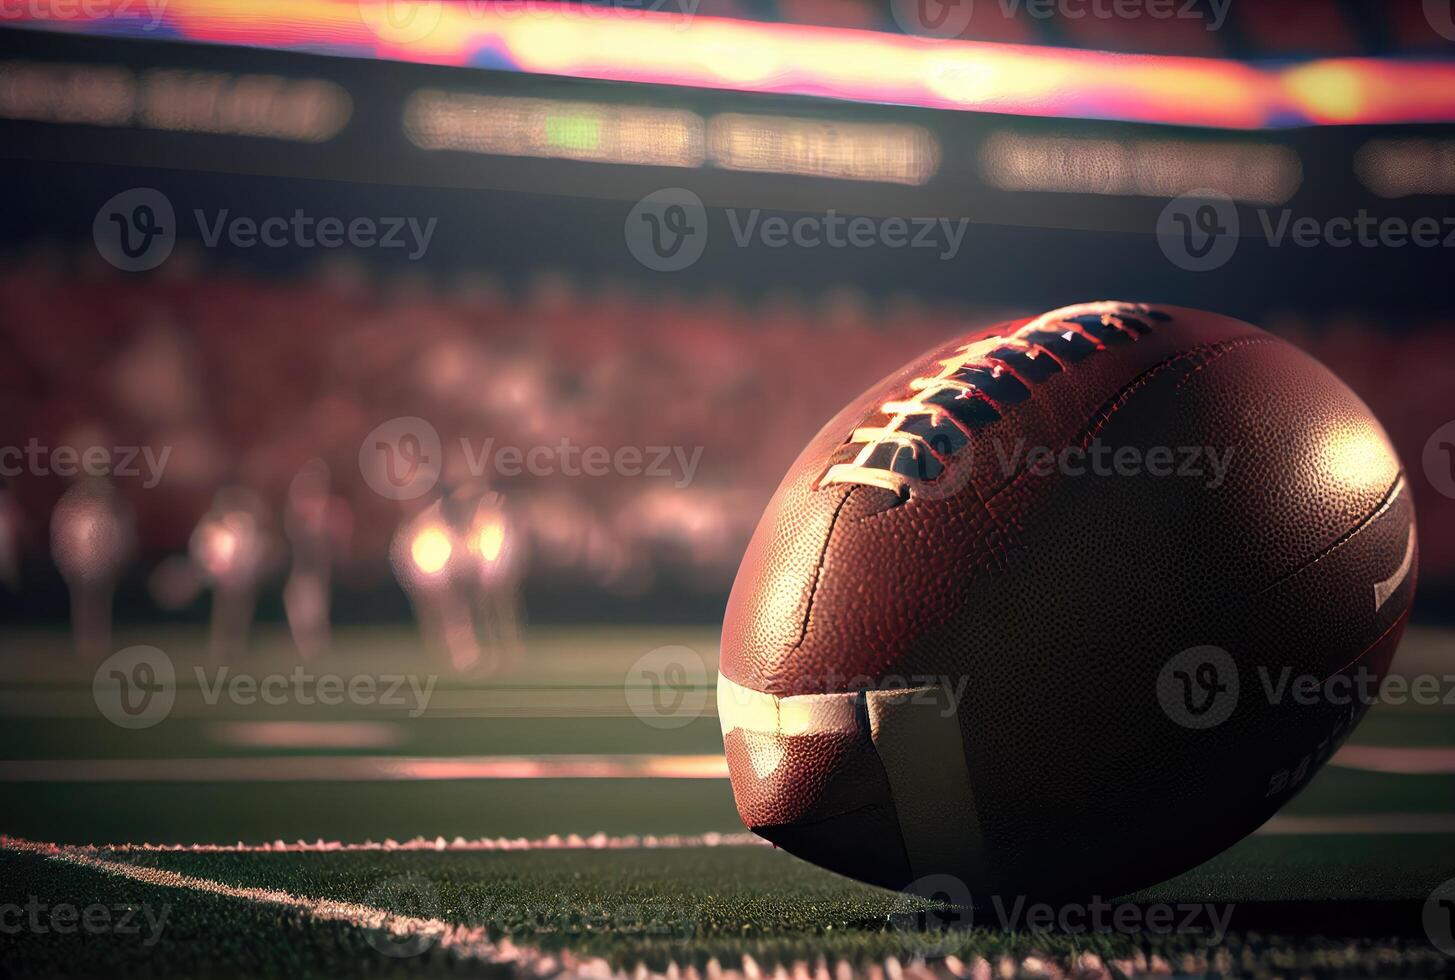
[489, 540]
[640, 45]
[430, 550]
[1256, 173]
[555, 128]
[92, 95]
[308, 110]
[605, 133]
[822, 148]
[1401, 167]
[1367, 90]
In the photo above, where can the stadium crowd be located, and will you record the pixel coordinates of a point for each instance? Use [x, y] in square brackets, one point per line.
[243, 381]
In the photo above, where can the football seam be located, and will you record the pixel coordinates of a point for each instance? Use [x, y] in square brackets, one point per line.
[1391, 494]
[818, 571]
[1203, 355]
[1217, 351]
[1385, 502]
[1400, 621]
[1225, 347]
[1103, 415]
[1126, 320]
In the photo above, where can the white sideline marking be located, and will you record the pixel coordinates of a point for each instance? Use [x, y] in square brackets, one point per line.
[1414, 761]
[569, 842]
[472, 944]
[309, 734]
[375, 768]
[462, 942]
[1361, 823]
[1373, 823]
[336, 768]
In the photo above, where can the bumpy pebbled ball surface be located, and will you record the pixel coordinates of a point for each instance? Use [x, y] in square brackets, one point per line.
[1031, 611]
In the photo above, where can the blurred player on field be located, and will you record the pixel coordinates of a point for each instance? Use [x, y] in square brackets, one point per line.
[92, 539]
[231, 549]
[457, 560]
[318, 525]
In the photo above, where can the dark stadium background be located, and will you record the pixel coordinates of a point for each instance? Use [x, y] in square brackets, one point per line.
[574, 772]
[743, 354]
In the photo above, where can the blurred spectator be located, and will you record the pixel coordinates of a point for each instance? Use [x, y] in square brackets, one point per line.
[243, 381]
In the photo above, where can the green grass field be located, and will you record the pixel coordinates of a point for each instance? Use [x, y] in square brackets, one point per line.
[1337, 886]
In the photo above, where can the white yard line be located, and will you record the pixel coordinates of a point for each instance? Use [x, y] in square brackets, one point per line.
[405, 768]
[1408, 760]
[464, 943]
[472, 943]
[335, 768]
[1362, 823]
[414, 935]
[369, 768]
[1356, 823]
[555, 842]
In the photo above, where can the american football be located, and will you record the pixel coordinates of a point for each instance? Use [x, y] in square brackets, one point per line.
[946, 596]
[398, 571]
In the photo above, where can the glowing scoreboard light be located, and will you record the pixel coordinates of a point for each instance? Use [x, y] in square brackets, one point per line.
[515, 126]
[91, 95]
[309, 110]
[1401, 167]
[638, 45]
[643, 135]
[1256, 173]
[822, 148]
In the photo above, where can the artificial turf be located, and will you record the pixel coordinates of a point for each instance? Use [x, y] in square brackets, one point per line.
[656, 908]
[1308, 905]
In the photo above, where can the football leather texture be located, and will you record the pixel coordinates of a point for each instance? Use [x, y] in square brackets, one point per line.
[1031, 612]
